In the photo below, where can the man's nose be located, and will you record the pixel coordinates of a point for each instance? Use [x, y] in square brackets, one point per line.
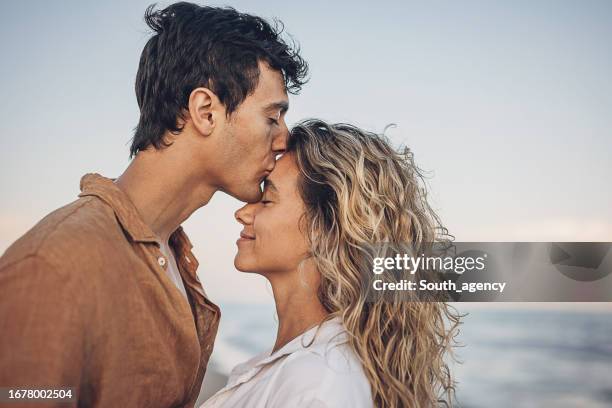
[245, 214]
[279, 144]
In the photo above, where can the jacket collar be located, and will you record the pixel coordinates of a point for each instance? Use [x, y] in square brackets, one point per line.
[105, 189]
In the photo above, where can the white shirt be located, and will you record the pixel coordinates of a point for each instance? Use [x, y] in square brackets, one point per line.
[172, 269]
[324, 374]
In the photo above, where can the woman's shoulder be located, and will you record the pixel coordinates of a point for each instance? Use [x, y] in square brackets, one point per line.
[325, 375]
[338, 359]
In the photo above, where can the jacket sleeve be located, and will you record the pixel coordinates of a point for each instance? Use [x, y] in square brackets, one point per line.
[42, 340]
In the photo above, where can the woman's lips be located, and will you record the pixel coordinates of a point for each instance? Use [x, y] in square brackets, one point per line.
[244, 237]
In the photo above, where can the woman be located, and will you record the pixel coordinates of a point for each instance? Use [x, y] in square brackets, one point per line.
[332, 196]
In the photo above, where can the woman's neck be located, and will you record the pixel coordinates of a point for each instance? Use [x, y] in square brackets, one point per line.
[297, 306]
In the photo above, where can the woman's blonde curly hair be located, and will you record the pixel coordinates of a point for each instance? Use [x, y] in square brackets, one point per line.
[358, 192]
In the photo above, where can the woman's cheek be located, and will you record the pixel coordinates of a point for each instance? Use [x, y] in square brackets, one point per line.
[277, 229]
[261, 226]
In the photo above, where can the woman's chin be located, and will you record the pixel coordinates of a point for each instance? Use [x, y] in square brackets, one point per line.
[242, 265]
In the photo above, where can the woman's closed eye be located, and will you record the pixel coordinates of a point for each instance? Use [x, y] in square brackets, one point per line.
[270, 193]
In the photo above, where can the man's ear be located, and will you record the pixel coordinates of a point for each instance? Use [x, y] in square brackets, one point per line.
[204, 110]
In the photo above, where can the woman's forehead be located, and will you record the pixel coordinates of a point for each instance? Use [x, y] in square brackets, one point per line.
[284, 174]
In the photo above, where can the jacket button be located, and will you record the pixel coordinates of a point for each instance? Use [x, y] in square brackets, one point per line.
[161, 261]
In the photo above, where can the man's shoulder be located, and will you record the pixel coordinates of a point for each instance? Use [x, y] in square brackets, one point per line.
[65, 232]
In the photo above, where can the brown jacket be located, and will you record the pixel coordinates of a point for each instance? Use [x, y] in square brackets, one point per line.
[85, 303]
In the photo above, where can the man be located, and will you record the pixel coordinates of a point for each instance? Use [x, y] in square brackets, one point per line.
[102, 296]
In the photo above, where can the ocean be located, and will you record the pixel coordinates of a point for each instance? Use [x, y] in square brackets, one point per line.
[508, 358]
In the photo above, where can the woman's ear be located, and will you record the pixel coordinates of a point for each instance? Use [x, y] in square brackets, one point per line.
[204, 110]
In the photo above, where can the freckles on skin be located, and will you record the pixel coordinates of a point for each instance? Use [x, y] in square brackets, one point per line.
[283, 231]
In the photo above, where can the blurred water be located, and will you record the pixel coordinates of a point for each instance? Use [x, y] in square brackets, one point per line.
[509, 358]
[535, 359]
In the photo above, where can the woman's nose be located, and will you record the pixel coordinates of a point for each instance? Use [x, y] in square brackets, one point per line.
[245, 214]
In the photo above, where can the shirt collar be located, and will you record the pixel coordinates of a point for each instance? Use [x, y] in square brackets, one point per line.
[93, 184]
[317, 339]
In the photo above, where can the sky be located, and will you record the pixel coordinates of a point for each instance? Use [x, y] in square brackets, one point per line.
[507, 106]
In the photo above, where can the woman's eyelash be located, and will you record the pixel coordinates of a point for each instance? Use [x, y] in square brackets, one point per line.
[274, 121]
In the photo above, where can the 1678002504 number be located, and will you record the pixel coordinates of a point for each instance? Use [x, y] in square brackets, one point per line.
[33, 394]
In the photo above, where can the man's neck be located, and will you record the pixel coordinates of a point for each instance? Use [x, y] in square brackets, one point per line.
[163, 192]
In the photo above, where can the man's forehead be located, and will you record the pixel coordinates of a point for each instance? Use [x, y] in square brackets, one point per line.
[271, 86]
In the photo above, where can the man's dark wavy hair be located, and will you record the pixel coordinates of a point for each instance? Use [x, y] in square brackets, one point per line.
[199, 46]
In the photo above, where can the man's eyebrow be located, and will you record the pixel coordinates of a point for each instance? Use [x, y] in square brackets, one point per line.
[283, 106]
[270, 185]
